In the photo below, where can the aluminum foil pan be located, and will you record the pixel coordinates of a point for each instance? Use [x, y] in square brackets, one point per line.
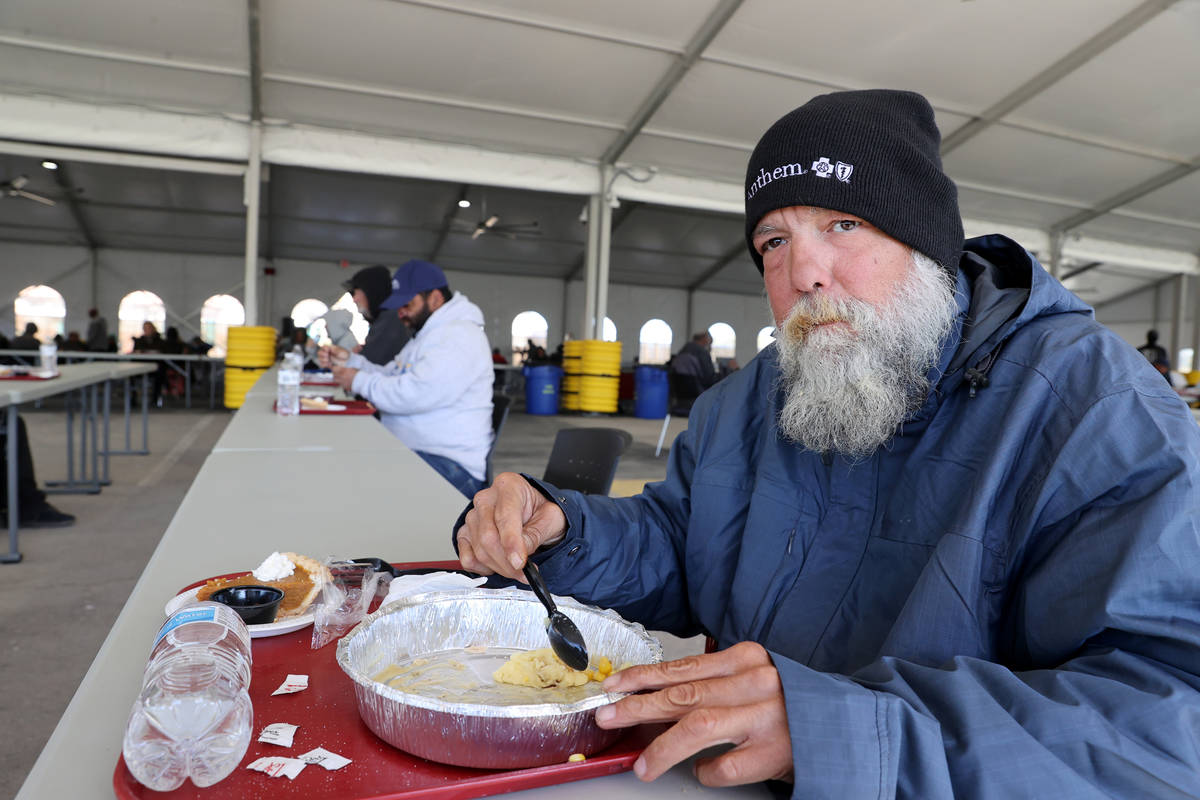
[430, 722]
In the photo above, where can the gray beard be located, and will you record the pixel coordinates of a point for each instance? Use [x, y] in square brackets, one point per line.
[849, 388]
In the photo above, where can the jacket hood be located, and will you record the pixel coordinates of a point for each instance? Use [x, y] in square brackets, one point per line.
[376, 283]
[1002, 287]
[457, 309]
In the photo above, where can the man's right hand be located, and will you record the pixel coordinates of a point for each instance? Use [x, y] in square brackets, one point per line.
[331, 355]
[509, 521]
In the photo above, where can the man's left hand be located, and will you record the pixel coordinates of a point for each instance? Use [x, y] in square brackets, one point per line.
[731, 697]
[344, 376]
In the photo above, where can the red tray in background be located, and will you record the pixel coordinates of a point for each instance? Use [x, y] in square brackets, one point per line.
[328, 717]
[28, 377]
[352, 407]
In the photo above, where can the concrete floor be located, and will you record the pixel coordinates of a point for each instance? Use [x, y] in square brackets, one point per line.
[57, 605]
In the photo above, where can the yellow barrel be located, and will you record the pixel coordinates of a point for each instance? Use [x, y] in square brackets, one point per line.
[572, 369]
[238, 381]
[250, 346]
[592, 376]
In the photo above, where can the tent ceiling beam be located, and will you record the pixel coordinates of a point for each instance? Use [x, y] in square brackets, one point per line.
[1128, 196]
[1080, 270]
[68, 193]
[447, 222]
[700, 41]
[1064, 66]
[718, 265]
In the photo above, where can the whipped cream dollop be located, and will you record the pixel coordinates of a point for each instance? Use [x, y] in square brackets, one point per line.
[275, 567]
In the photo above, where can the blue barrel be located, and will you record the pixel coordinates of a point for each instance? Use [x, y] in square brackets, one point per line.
[650, 392]
[541, 389]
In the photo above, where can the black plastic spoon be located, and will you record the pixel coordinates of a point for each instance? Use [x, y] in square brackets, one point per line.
[565, 639]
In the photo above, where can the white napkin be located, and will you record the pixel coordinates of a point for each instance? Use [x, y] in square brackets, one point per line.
[405, 585]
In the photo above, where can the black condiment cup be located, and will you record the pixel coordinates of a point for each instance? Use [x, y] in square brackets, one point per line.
[256, 605]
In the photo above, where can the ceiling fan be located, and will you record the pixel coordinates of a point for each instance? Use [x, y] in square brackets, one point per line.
[16, 188]
[490, 224]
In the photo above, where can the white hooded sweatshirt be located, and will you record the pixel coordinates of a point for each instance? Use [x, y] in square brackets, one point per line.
[436, 395]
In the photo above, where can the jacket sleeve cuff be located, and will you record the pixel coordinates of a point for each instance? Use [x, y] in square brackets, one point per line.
[547, 491]
[839, 731]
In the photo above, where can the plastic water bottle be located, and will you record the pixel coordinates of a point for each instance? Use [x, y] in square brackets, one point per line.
[193, 717]
[287, 390]
[48, 355]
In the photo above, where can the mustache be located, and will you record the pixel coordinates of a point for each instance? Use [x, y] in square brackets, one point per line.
[810, 312]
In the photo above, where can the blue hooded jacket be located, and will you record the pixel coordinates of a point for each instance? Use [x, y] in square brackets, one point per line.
[1004, 601]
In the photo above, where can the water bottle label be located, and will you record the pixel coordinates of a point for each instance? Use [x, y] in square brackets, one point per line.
[183, 617]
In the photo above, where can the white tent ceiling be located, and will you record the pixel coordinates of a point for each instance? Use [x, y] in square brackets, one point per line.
[1071, 118]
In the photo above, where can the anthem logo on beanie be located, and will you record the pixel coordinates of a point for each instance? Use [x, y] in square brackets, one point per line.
[871, 153]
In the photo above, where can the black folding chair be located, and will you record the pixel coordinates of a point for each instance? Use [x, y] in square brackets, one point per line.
[585, 459]
[500, 404]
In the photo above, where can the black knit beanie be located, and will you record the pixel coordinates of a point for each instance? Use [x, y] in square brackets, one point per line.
[873, 154]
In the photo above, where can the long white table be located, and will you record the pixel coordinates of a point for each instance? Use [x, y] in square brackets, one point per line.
[319, 485]
[179, 362]
[93, 460]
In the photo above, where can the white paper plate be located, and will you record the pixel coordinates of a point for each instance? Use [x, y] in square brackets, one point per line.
[334, 407]
[256, 631]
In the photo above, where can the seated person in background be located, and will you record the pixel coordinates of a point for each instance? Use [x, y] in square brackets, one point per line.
[945, 530]
[172, 344]
[198, 346]
[74, 342]
[695, 358]
[497, 358]
[1154, 352]
[151, 341]
[27, 340]
[436, 396]
[388, 334]
[97, 331]
[32, 509]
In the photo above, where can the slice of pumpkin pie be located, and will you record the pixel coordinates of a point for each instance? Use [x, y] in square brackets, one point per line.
[300, 588]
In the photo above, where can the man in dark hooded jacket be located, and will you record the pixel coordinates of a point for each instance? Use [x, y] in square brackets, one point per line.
[945, 530]
[388, 334]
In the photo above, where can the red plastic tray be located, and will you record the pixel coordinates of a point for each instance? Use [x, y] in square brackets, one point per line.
[352, 407]
[328, 717]
[28, 377]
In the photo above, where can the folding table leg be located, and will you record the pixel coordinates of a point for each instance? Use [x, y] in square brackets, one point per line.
[13, 555]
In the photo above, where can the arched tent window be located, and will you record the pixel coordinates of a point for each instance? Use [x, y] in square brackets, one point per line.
[526, 327]
[42, 306]
[609, 331]
[359, 326]
[136, 309]
[1186, 360]
[216, 315]
[654, 342]
[724, 340]
[307, 310]
[765, 337]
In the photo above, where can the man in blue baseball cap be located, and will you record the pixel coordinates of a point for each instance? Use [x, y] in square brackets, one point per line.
[436, 395]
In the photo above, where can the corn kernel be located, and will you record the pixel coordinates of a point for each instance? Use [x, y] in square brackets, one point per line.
[577, 757]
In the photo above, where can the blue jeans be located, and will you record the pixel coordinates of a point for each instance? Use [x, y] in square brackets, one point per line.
[452, 471]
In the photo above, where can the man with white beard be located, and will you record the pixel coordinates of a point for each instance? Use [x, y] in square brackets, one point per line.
[946, 532]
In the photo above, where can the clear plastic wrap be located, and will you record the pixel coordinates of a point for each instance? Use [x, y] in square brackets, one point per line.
[345, 599]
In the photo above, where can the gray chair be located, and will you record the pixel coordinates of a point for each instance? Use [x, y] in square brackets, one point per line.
[585, 459]
[500, 404]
